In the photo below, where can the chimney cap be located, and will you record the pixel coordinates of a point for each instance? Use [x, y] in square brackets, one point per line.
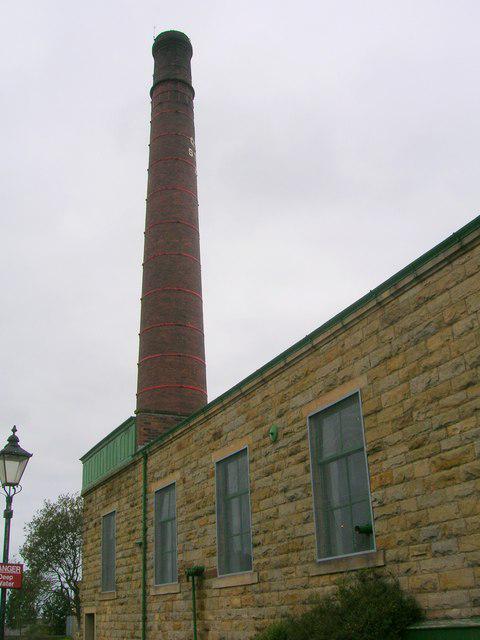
[167, 38]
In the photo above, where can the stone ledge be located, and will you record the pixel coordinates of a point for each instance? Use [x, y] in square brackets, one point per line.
[107, 595]
[349, 563]
[460, 623]
[161, 589]
[235, 580]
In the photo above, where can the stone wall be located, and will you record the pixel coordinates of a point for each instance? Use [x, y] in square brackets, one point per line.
[414, 354]
[118, 616]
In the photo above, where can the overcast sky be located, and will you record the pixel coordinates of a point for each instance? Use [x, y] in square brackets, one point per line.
[337, 141]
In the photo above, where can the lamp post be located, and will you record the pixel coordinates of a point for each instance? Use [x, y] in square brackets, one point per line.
[13, 460]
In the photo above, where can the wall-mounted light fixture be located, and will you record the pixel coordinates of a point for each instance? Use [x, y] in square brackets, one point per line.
[273, 433]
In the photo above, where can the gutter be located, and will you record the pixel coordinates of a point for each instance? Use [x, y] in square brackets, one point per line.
[108, 438]
[144, 544]
[458, 240]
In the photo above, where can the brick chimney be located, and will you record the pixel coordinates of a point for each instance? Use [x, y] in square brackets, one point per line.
[171, 367]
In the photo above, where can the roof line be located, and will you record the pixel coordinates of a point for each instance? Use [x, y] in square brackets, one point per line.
[450, 241]
[107, 438]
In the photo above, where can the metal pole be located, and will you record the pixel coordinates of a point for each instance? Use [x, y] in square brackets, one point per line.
[194, 607]
[7, 514]
[144, 545]
[194, 572]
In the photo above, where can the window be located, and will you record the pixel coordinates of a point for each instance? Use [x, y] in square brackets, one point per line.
[234, 539]
[165, 535]
[343, 515]
[108, 552]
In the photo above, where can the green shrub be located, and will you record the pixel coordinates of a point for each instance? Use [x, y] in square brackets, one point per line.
[37, 631]
[278, 631]
[366, 606]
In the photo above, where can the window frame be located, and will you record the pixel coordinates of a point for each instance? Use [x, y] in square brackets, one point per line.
[103, 516]
[354, 392]
[217, 461]
[161, 488]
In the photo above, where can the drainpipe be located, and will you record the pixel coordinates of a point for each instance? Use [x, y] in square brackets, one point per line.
[194, 572]
[144, 545]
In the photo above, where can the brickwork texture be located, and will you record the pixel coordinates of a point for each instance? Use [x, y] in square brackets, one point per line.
[171, 367]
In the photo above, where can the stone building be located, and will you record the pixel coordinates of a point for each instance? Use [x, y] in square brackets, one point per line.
[356, 447]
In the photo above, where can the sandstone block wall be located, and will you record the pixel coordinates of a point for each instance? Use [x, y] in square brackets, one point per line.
[414, 354]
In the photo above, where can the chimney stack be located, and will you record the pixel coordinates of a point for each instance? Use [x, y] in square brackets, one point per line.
[171, 367]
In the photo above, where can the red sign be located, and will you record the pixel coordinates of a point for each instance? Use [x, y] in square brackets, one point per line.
[11, 575]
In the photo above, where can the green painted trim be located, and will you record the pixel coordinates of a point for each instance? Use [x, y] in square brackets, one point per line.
[410, 269]
[451, 241]
[444, 630]
[109, 455]
[442, 634]
[108, 437]
[144, 544]
[107, 476]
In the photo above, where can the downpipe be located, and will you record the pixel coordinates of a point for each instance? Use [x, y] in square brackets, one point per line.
[194, 572]
[144, 545]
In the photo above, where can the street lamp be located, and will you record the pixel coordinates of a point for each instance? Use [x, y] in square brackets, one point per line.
[13, 460]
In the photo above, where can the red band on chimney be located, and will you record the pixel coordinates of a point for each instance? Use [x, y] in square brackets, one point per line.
[170, 253]
[159, 93]
[172, 386]
[187, 224]
[172, 188]
[152, 164]
[175, 355]
[170, 324]
[170, 133]
[180, 289]
[159, 113]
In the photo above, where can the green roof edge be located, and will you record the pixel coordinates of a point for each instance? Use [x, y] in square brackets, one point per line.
[455, 237]
[451, 240]
[107, 438]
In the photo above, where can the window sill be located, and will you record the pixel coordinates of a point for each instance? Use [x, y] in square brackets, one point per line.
[162, 589]
[235, 580]
[349, 563]
[107, 595]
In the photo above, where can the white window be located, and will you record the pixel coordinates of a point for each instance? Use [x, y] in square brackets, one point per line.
[234, 536]
[108, 551]
[166, 535]
[343, 514]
